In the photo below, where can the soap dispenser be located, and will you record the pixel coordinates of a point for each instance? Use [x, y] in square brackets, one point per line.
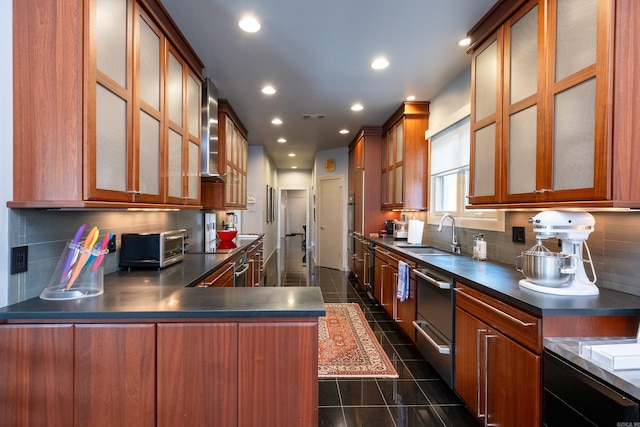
[480, 248]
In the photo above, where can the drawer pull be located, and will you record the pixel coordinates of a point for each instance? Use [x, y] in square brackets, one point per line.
[442, 349]
[438, 283]
[500, 312]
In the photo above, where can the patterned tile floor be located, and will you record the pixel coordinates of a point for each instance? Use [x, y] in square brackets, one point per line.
[419, 397]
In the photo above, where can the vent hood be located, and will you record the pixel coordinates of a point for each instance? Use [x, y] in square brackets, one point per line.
[209, 141]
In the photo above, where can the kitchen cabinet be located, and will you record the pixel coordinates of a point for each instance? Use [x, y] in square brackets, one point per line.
[386, 287]
[232, 158]
[222, 277]
[226, 372]
[404, 158]
[255, 259]
[197, 374]
[87, 374]
[497, 362]
[37, 375]
[118, 90]
[561, 134]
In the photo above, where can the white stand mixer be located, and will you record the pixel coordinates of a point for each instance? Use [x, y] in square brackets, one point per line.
[573, 228]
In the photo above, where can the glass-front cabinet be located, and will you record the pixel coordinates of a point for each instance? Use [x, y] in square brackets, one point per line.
[546, 136]
[126, 123]
[404, 157]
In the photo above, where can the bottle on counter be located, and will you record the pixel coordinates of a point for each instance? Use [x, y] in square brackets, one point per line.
[480, 248]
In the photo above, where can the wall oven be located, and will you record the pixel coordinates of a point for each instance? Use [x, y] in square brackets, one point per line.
[435, 320]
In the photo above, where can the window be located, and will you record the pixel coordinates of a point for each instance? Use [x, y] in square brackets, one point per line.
[449, 172]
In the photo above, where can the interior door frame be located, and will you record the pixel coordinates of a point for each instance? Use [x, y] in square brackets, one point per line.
[343, 197]
[281, 212]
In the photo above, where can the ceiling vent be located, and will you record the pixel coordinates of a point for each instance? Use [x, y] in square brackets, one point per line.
[313, 116]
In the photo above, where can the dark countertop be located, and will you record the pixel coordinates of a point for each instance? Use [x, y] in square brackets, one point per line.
[569, 349]
[161, 294]
[501, 282]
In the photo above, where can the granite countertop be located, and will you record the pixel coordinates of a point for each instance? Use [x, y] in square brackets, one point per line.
[501, 281]
[569, 349]
[164, 294]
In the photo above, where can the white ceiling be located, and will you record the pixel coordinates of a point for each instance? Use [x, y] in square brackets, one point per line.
[317, 55]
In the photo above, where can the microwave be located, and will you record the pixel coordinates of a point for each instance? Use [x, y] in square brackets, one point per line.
[152, 250]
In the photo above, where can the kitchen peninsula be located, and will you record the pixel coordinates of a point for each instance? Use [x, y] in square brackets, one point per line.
[151, 351]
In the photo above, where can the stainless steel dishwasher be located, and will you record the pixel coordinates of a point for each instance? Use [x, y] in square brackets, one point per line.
[435, 320]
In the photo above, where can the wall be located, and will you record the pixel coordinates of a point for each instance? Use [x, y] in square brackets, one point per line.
[6, 142]
[341, 159]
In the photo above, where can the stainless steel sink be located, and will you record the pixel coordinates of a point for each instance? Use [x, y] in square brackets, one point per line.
[424, 250]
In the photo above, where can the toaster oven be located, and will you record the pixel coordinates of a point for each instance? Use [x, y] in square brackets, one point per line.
[152, 250]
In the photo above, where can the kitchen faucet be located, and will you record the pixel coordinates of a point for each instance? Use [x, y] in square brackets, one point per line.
[454, 240]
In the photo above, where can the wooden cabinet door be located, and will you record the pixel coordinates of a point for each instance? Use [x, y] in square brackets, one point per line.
[278, 374]
[110, 127]
[513, 385]
[114, 375]
[379, 268]
[37, 375]
[469, 377]
[197, 374]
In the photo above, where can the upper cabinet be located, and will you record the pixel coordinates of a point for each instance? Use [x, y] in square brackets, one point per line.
[232, 163]
[118, 92]
[404, 158]
[549, 122]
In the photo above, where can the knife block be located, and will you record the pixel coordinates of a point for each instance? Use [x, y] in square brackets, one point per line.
[75, 276]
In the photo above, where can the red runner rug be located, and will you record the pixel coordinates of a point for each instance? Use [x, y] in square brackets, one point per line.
[348, 347]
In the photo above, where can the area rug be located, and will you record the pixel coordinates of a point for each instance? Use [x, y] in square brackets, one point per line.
[347, 346]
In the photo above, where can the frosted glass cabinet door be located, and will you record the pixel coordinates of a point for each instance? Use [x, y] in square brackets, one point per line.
[522, 151]
[194, 170]
[399, 141]
[524, 56]
[175, 164]
[486, 83]
[484, 161]
[193, 106]
[175, 92]
[149, 163]
[111, 140]
[111, 39]
[149, 52]
[576, 39]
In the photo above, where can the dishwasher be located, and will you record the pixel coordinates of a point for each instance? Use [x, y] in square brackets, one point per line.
[435, 320]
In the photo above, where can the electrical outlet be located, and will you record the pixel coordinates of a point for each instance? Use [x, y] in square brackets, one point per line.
[19, 259]
[517, 234]
[112, 244]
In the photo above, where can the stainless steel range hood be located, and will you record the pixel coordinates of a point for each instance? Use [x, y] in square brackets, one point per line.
[209, 142]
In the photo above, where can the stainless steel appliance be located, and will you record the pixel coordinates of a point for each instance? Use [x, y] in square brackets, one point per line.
[209, 227]
[351, 239]
[240, 272]
[209, 137]
[389, 225]
[152, 250]
[435, 320]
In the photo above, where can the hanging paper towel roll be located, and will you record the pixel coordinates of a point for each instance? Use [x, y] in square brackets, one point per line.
[414, 235]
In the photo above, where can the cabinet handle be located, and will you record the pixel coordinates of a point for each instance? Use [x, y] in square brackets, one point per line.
[543, 190]
[442, 349]
[479, 332]
[239, 273]
[438, 283]
[395, 300]
[495, 310]
[134, 192]
[486, 379]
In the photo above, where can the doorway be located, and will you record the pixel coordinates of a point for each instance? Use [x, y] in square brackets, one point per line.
[330, 222]
[293, 223]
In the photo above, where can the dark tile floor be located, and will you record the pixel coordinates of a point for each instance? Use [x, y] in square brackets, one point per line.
[419, 397]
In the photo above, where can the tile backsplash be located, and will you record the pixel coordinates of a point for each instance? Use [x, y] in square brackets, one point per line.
[46, 232]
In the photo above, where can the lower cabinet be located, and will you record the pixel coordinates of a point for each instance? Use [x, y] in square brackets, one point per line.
[223, 277]
[230, 373]
[255, 253]
[497, 376]
[386, 289]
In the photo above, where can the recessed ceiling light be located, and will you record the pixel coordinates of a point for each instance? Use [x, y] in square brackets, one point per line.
[282, 140]
[464, 42]
[411, 98]
[380, 63]
[357, 107]
[268, 90]
[294, 167]
[249, 24]
[291, 154]
[276, 121]
[344, 131]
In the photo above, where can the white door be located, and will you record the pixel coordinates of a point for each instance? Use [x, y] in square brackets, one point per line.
[330, 236]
